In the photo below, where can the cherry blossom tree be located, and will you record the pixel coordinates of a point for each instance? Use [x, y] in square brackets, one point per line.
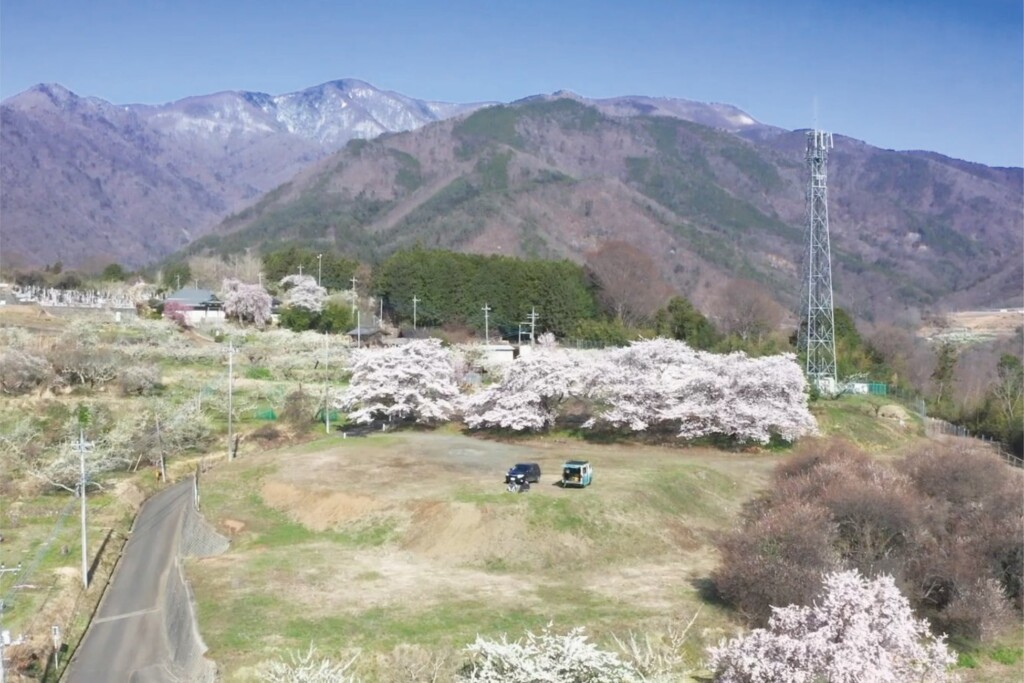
[656, 384]
[415, 381]
[246, 303]
[859, 631]
[531, 391]
[302, 291]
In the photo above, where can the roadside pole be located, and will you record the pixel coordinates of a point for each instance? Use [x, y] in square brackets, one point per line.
[81, 484]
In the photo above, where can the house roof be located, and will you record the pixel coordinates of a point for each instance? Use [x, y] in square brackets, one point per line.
[190, 296]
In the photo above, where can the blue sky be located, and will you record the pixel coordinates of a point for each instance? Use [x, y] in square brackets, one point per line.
[902, 74]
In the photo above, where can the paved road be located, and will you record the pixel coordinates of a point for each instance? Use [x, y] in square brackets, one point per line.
[128, 640]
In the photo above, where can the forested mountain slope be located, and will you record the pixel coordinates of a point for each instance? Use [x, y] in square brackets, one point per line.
[559, 177]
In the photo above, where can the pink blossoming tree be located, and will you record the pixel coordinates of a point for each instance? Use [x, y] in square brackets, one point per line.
[859, 631]
[414, 381]
[246, 303]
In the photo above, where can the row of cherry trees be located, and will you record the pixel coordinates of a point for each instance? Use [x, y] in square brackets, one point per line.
[655, 385]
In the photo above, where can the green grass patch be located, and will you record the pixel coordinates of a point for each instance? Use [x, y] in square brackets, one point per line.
[255, 372]
[690, 491]
[966, 660]
[856, 418]
[1007, 654]
[561, 514]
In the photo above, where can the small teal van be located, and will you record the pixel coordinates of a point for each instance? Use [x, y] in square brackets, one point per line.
[577, 473]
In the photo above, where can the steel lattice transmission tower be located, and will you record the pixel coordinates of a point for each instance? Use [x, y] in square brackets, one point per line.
[817, 339]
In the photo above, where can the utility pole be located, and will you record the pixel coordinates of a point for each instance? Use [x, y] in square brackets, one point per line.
[533, 322]
[414, 302]
[319, 268]
[354, 281]
[487, 330]
[359, 329]
[380, 318]
[160, 446]
[55, 634]
[177, 278]
[260, 276]
[81, 488]
[231, 382]
[327, 414]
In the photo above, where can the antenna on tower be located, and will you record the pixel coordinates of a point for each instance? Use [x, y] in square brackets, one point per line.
[816, 337]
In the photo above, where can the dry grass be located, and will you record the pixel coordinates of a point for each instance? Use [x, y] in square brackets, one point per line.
[410, 538]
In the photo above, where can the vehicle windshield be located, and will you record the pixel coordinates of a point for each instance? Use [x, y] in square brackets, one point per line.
[521, 467]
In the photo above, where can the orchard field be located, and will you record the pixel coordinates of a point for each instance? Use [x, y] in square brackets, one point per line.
[401, 545]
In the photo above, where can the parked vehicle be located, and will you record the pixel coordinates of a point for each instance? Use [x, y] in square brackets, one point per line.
[530, 470]
[577, 473]
[517, 483]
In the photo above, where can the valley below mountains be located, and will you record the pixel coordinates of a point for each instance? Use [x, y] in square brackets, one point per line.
[705, 191]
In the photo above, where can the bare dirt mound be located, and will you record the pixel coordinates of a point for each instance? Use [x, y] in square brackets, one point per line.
[319, 510]
[465, 532]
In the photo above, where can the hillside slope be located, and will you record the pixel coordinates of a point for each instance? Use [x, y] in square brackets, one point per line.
[555, 176]
[87, 182]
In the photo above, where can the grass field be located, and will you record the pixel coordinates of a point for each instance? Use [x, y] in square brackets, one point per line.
[410, 538]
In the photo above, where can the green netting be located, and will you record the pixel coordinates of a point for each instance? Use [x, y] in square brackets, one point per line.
[265, 414]
[878, 388]
[334, 415]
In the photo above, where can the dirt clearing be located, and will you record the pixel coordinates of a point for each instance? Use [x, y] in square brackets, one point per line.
[411, 537]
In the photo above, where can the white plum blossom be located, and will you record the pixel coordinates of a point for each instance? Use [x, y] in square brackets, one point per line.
[302, 291]
[247, 303]
[416, 381]
[546, 657]
[306, 667]
[860, 631]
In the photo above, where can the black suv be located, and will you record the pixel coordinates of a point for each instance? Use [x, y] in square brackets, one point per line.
[530, 470]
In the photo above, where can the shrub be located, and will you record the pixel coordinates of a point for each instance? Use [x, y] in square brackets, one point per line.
[140, 380]
[299, 409]
[305, 667]
[21, 371]
[777, 558]
[547, 656]
[860, 630]
[946, 522]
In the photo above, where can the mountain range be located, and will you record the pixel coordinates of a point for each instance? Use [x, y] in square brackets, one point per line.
[87, 182]
[704, 190]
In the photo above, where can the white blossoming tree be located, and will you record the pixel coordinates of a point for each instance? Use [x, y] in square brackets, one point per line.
[415, 381]
[661, 384]
[859, 631]
[547, 656]
[246, 303]
[302, 291]
[531, 391]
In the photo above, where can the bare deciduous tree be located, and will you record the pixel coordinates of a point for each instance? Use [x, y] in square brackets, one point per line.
[631, 287]
[748, 311]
